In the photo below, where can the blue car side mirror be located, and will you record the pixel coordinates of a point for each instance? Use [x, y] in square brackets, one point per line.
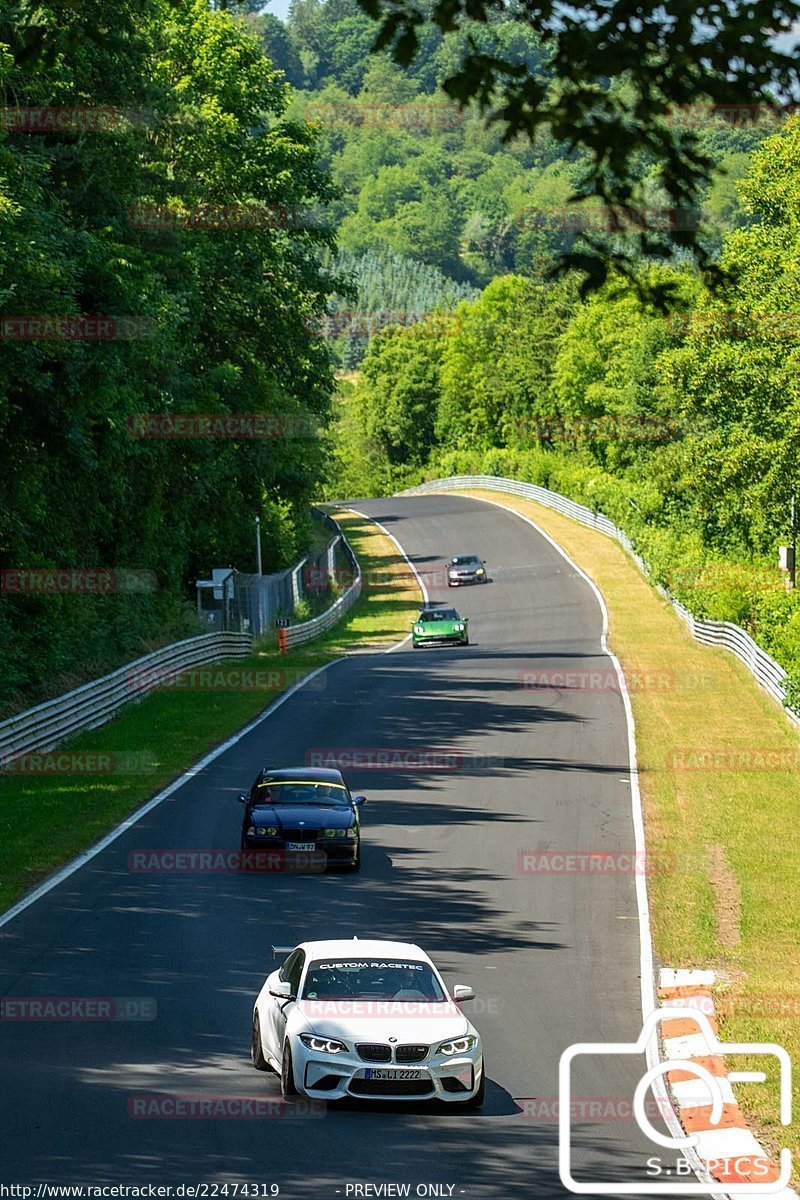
[243, 799]
[359, 800]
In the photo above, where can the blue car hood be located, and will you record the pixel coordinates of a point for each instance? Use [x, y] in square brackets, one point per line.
[315, 816]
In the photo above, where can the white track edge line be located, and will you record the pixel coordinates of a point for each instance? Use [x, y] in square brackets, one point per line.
[87, 855]
[646, 962]
[392, 538]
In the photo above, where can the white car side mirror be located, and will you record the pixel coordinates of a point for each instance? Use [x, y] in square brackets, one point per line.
[462, 992]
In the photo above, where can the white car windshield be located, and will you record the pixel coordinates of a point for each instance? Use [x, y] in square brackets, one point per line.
[371, 979]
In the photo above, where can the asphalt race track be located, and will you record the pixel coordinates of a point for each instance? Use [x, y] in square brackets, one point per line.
[554, 958]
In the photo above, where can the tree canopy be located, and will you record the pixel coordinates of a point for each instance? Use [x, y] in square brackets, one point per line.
[615, 75]
[181, 217]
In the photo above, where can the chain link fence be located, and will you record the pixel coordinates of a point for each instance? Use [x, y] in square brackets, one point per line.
[243, 603]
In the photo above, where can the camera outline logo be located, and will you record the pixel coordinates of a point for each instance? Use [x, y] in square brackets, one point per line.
[686, 1143]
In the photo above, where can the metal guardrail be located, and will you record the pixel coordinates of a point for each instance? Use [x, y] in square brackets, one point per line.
[767, 672]
[296, 635]
[40, 729]
[49, 724]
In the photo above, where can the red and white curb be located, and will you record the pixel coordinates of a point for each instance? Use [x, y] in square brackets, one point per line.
[734, 1155]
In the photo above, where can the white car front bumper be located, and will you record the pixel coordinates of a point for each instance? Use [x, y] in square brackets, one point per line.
[334, 1076]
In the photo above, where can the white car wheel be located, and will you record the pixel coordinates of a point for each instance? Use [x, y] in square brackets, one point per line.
[256, 1049]
[288, 1086]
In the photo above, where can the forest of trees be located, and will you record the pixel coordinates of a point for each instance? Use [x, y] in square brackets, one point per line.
[161, 110]
[684, 427]
[421, 181]
[388, 231]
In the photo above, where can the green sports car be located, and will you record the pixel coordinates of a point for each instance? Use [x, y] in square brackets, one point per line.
[434, 626]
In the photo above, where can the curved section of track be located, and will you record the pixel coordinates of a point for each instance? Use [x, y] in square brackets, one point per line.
[537, 763]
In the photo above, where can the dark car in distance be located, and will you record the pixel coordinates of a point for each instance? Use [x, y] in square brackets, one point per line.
[466, 568]
[303, 810]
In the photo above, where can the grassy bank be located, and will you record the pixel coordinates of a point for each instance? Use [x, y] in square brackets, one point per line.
[153, 741]
[732, 833]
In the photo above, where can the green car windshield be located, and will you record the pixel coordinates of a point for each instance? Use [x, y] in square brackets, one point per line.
[439, 614]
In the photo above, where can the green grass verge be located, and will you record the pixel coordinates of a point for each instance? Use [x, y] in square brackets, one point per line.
[733, 834]
[47, 819]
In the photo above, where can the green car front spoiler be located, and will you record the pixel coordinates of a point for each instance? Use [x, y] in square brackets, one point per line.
[449, 635]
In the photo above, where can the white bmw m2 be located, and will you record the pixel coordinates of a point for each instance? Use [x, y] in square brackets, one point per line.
[369, 1019]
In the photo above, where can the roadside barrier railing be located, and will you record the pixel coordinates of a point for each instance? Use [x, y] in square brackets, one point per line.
[46, 726]
[768, 673]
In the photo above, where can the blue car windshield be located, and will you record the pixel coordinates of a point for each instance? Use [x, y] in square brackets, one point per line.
[270, 791]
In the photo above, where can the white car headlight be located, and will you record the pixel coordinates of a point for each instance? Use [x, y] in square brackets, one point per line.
[457, 1045]
[322, 1045]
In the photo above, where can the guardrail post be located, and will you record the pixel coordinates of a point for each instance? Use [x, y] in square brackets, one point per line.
[332, 561]
[297, 591]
